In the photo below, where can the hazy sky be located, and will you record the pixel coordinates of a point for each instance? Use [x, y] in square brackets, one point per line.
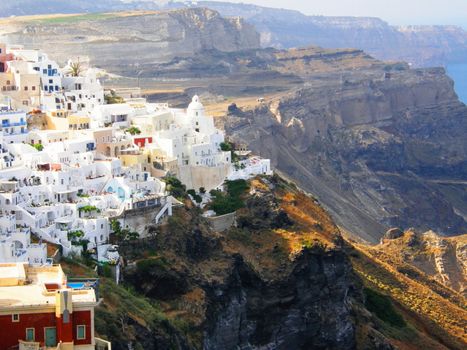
[394, 11]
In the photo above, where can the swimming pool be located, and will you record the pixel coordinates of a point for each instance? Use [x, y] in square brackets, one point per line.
[76, 285]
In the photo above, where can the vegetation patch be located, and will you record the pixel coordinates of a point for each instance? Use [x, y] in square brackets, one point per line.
[175, 187]
[38, 146]
[195, 196]
[231, 200]
[133, 130]
[382, 307]
[74, 18]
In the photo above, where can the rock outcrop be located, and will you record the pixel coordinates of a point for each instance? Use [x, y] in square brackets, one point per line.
[445, 259]
[279, 28]
[130, 42]
[295, 283]
[420, 45]
[378, 146]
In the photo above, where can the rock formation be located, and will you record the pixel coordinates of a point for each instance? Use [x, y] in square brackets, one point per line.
[380, 146]
[291, 283]
[420, 45]
[130, 43]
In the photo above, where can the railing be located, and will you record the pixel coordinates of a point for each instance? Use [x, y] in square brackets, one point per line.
[102, 344]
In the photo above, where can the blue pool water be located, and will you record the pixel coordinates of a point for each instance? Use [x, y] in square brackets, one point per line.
[76, 285]
[458, 73]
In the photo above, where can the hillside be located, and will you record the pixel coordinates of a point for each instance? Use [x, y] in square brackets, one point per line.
[441, 258]
[283, 278]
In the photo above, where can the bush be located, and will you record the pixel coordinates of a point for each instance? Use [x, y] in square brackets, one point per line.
[175, 187]
[226, 147]
[237, 188]
[134, 130]
[88, 209]
[38, 146]
[382, 307]
[225, 203]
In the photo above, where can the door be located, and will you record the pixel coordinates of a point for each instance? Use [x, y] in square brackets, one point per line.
[50, 337]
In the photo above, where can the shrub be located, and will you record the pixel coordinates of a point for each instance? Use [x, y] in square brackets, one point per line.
[38, 146]
[134, 130]
[226, 147]
[175, 187]
[382, 307]
[225, 203]
[88, 209]
[75, 236]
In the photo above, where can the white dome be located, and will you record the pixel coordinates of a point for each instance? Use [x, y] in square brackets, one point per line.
[195, 104]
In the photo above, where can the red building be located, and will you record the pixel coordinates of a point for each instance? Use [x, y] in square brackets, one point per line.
[38, 309]
[142, 141]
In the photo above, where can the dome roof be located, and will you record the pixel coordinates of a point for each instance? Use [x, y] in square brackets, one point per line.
[195, 104]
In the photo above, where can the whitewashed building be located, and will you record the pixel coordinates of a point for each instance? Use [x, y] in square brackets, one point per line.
[13, 125]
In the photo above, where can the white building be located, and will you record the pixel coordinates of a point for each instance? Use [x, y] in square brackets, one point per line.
[13, 125]
[83, 93]
[68, 187]
[15, 239]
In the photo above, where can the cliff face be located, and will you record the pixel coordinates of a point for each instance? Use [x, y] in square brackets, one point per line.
[420, 45]
[378, 147]
[306, 309]
[256, 286]
[283, 278]
[110, 40]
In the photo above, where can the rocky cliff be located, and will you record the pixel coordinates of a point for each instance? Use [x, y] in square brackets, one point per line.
[419, 45]
[283, 278]
[131, 41]
[381, 145]
[279, 28]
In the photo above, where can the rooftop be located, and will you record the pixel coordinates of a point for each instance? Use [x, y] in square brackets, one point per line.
[22, 286]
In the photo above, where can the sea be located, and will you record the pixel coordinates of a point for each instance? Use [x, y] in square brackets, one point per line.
[458, 73]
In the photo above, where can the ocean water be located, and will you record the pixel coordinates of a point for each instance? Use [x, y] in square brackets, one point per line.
[458, 73]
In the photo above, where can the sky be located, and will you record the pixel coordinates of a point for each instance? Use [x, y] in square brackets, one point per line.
[398, 12]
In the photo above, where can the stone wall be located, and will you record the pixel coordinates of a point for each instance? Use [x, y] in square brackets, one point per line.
[223, 222]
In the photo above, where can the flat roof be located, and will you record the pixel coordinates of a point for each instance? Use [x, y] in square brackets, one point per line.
[30, 290]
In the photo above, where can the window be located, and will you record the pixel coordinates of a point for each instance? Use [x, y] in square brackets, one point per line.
[14, 317]
[81, 332]
[30, 336]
